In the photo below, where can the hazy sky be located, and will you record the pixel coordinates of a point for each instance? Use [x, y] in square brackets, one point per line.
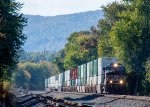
[59, 7]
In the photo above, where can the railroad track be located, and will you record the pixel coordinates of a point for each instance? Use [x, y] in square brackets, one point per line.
[131, 97]
[38, 100]
[47, 100]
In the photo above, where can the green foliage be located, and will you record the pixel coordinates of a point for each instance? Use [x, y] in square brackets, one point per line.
[146, 82]
[32, 75]
[130, 38]
[81, 48]
[22, 78]
[59, 60]
[104, 26]
[11, 36]
[37, 56]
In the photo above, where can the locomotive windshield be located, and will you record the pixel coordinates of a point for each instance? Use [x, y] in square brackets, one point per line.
[115, 69]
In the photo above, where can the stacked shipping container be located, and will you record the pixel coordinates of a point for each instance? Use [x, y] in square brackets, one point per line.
[86, 75]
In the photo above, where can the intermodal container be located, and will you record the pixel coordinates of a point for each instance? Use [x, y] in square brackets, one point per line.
[79, 72]
[82, 71]
[71, 74]
[91, 68]
[76, 73]
[85, 70]
[78, 82]
[95, 67]
[46, 83]
[67, 75]
[88, 73]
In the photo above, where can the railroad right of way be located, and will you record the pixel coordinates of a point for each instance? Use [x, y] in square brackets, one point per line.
[72, 99]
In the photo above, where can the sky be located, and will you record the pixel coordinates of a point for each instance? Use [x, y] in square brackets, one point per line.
[60, 7]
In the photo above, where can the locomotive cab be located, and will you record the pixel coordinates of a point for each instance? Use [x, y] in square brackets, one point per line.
[115, 78]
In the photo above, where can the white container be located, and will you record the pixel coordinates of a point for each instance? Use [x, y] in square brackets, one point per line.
[60, 77]
[88, 81]
[76, 82]
[68, 83]
[95, 80]
[78, 89]
[53, 80]
[56, 84]
[98, 89]
[88, 67]
[67, 75]
[83, 89]
[91, 81]
[81, 71]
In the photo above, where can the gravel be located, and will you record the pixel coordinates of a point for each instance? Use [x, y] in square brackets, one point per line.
[97, 100]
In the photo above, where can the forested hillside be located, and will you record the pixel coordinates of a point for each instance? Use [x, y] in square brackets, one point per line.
[50, 33]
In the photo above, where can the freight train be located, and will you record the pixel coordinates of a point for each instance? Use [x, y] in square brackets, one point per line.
[103, 75]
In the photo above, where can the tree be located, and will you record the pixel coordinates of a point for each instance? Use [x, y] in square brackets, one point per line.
[59, 60]
[146, 81]
[22, 78]
[104, 26]
[130, 38]
[32, 75]
[81, 48]
[11, 36]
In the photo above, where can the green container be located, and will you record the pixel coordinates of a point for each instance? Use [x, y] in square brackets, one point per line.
[72, 82]
[91, 68]
[84, 70]
[79, 72]
[95, 73]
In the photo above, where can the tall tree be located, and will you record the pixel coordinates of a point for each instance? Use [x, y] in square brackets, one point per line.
[81, 48]
[104, 26]
[131, 38]
[11, 36]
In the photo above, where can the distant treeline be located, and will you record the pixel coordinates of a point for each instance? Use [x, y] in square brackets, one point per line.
[33, 68]
[31, 75]
[37, 56]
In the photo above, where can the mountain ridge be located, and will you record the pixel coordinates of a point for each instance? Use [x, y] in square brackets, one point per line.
[50, 32]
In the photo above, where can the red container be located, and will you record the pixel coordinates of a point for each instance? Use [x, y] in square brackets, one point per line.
[74, 74]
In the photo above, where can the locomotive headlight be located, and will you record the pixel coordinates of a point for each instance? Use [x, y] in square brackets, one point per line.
[121, 81]
[115, 65]
[111, 81]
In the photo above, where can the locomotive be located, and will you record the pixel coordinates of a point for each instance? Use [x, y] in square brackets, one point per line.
[102, 75]
[115, 81]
